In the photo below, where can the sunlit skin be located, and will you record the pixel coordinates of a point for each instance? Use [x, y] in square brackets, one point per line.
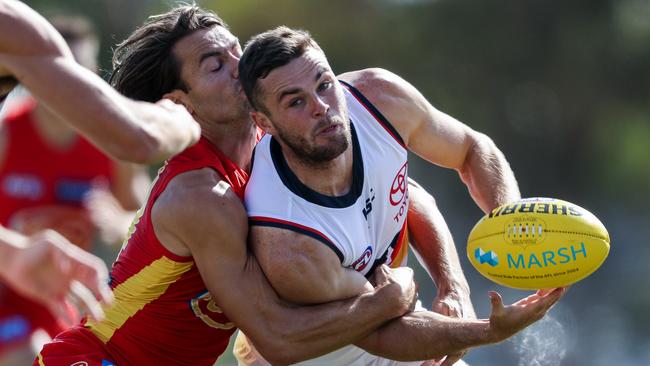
[38, 57]
[298, 103]
[305, 110]
[208, 60]
[198, 214]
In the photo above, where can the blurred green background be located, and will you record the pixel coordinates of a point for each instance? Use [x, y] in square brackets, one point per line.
[563, 88]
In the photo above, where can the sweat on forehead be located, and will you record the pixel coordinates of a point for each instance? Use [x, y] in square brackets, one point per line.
[268, 51]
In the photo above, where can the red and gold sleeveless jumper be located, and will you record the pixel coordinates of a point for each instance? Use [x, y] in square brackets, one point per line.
[43, 187]
[162, 313]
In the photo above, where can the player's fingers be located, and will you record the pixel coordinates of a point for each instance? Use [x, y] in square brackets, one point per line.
[379, 276]
[497, 302]
[553, 297]
[455, 311]
[544, 292]
[544, 304]
[452, 359]
[92, 273]
[166, 103]
[452, 309]
[57, 310]
[528, 300]
[435, 362]
[84, 299]
[96, 281]
[441, 307]
[531, 299]
[60, 308]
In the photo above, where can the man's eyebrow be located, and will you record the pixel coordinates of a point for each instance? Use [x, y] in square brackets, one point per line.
[320, 73]
[284, 93]
[209, 54]
[288, 92]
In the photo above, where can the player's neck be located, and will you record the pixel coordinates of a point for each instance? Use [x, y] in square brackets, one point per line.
[333, 178]
[52, 129]
[236, 141]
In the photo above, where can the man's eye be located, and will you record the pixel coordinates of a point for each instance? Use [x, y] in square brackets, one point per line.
[295, 102]
[219, 66]
[324, 86]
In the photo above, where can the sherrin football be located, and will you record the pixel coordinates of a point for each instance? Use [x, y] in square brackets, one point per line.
[538, 243]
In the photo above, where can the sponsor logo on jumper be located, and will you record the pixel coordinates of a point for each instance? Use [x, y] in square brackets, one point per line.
[399, 186]
[14, 328]
[366, 210]
[399, 192]
[363, 260]
[25, 186]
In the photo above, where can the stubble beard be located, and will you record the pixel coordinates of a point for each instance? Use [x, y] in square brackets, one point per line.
[318, 156]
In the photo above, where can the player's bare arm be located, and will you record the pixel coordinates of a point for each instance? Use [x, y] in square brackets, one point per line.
[415, 336]
[432, 241]
[431, 335]
[303, 270]
[440, 138]
[37, 56]
[434, 246]
[198, 214]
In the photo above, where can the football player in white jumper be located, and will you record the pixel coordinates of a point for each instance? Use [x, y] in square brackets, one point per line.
[328, 194]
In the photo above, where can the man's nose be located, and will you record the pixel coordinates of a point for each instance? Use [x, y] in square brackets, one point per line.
[234, 61]
[320, 106]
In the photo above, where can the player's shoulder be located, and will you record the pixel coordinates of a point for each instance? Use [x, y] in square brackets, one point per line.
[384, 89]
[197, 198]
[394, 97]
[374, 83]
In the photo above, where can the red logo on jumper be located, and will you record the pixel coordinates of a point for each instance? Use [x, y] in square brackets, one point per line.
[398, 189]
[363, 261]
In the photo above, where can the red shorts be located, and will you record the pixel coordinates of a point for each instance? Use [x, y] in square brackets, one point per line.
[21, 317]
[76, 346]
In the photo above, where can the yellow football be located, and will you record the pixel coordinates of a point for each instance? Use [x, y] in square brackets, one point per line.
[538, 243]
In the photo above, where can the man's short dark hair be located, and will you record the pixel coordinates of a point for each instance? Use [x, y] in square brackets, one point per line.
[144, 66]
[268, 51]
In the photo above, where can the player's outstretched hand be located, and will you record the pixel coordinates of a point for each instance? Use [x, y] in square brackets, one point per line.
[51, 270]
[507, 320]
[402, 283]
[180, 130]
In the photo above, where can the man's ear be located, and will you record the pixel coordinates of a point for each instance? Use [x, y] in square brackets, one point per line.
[180, 97]
[263, 122]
